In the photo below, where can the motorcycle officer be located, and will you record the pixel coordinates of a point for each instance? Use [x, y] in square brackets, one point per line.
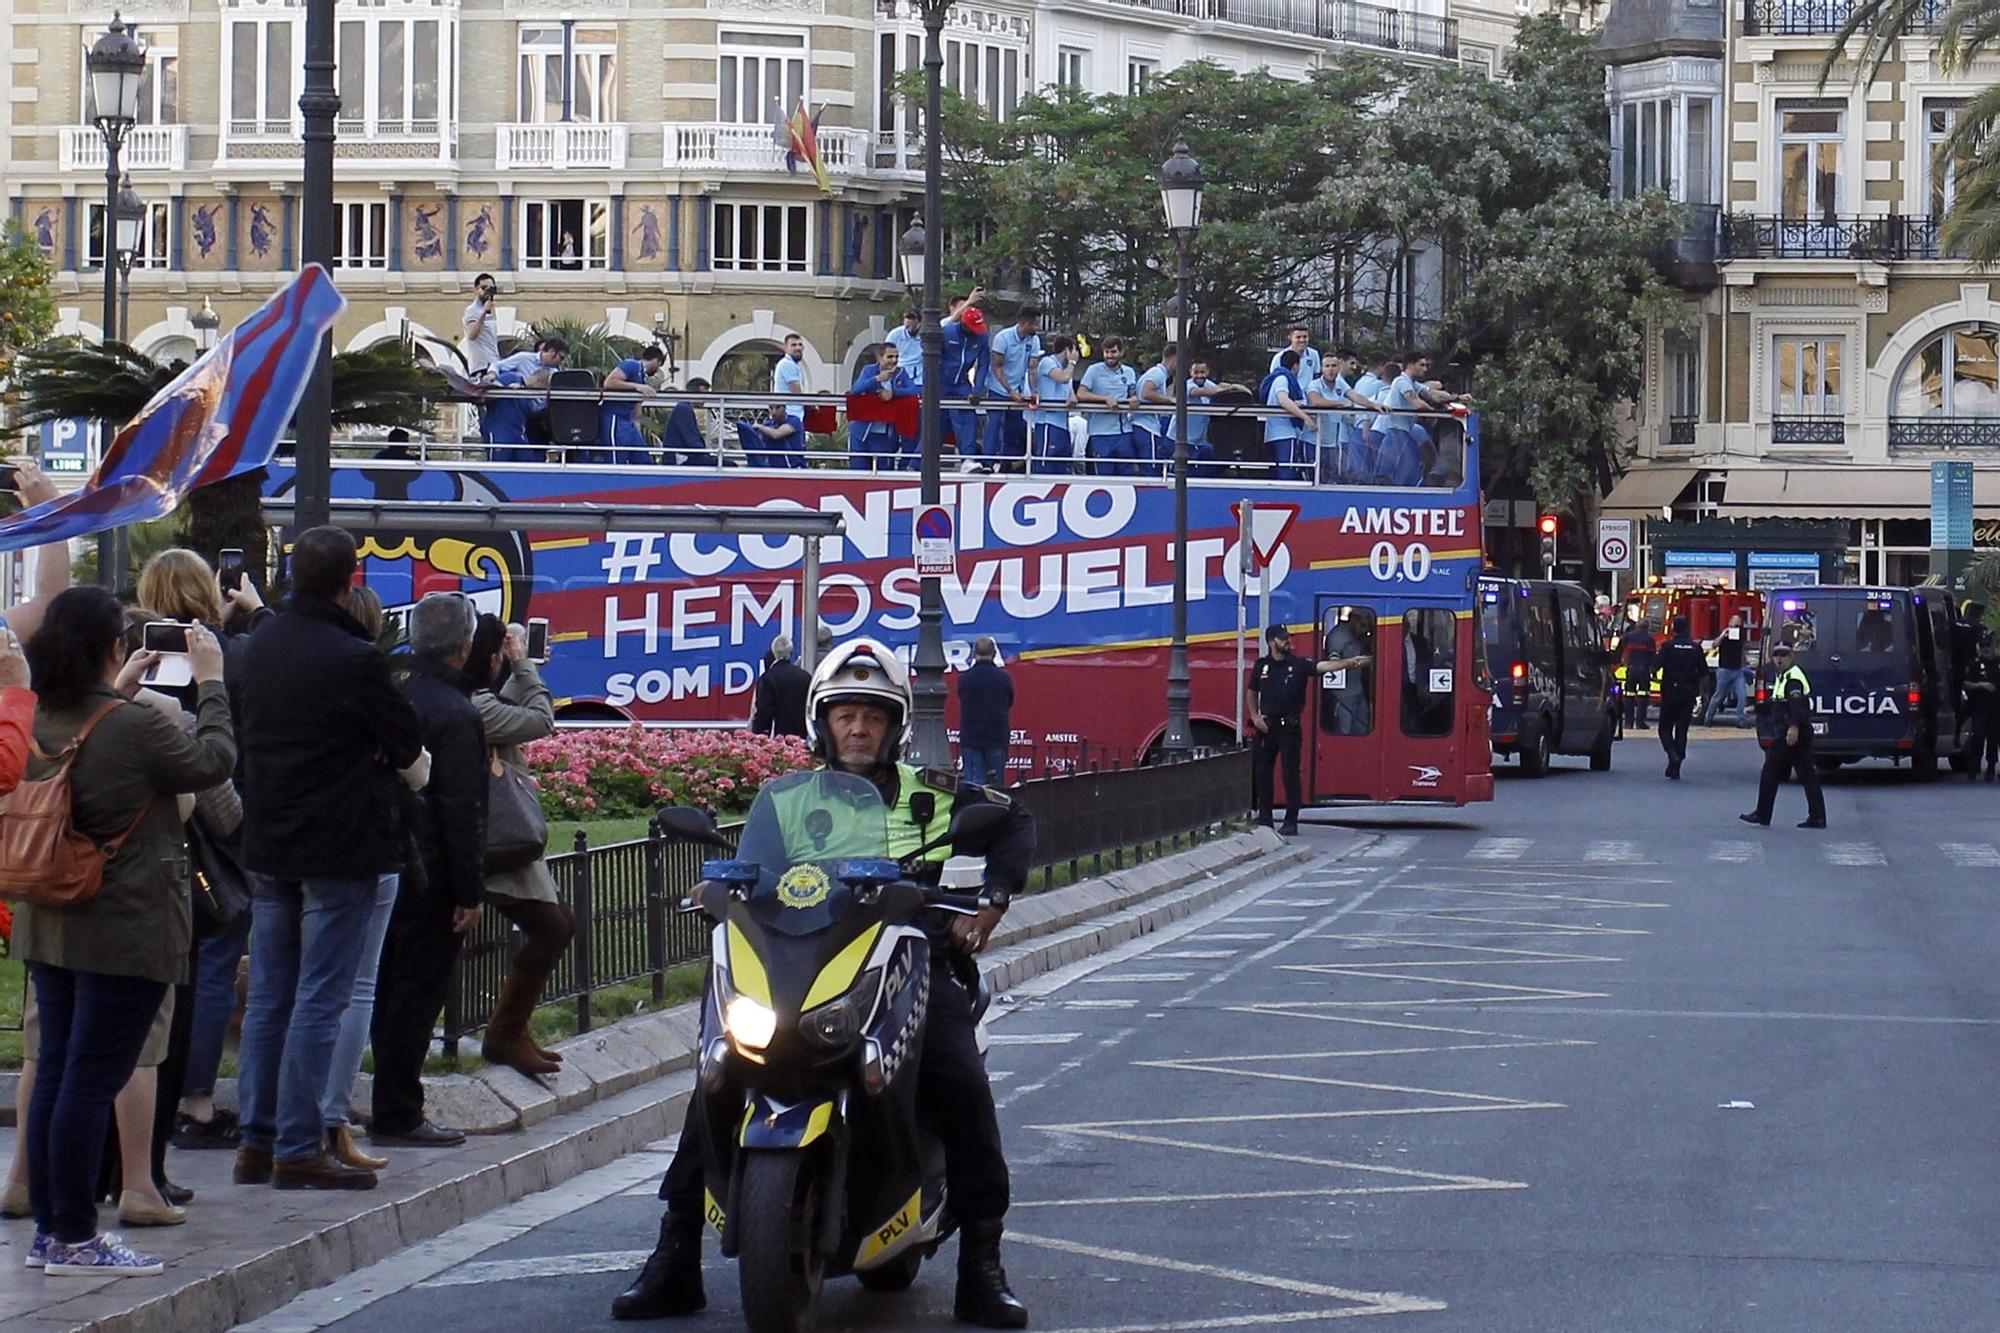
[858, 711]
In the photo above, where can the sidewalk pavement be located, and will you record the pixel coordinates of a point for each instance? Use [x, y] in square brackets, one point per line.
[247, 1250]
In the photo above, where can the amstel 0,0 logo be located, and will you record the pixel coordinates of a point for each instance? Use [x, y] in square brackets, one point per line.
[804, 886]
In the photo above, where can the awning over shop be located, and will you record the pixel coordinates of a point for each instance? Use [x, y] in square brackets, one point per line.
[1842, 492]
[1646, 490]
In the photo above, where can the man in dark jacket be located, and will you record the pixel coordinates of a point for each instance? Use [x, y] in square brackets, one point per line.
[780, 709]
[323, 732]
[985, 711]
[1637, 648]
[438, 901]
[1682, 664]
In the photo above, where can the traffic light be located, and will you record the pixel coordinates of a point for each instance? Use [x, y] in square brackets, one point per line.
[1547, 525]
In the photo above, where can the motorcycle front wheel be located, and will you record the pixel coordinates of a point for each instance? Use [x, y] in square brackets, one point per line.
[777, 1265]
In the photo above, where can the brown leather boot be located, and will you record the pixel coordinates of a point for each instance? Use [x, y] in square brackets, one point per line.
[340, 1145]
[506, 1041]
[320, 1172]
[253, 1166]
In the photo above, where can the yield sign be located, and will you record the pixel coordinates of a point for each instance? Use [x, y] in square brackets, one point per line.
[1268, 525]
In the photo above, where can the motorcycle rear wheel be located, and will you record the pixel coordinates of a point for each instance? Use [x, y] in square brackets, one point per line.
[777, 1267]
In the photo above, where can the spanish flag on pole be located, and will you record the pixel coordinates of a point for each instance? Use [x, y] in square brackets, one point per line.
[804, 146]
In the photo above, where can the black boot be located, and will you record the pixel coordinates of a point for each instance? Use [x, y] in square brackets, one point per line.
[670, 1283]
[983, 1298]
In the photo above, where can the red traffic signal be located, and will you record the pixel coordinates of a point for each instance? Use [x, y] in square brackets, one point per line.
[1547, 524]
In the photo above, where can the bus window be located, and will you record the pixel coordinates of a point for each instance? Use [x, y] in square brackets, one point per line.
[1347, 694]
[1429, 680]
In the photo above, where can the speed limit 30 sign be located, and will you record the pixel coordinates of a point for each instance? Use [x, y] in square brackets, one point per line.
[1614, 544]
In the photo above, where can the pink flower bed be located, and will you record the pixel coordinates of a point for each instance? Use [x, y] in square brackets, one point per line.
[617, 772]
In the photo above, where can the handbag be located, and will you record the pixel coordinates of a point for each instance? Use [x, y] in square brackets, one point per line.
[218, 883]
[517, 831]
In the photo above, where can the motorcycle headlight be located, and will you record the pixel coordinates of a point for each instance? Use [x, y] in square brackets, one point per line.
[750, 1023]
[838, 1023]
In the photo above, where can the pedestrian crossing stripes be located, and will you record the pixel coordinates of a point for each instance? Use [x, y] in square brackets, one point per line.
[1118, 978]
[1972, 853]
[1499, 849]
[1855, 854]
[1392, 848]
[1196, 953]
[1734, 851]
[1612, 849]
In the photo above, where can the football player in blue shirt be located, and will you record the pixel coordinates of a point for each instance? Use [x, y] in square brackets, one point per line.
[872, 445]
[623, 387]
[1048, 424]
[1015, 351]
[1153, 432]
[1112, 383]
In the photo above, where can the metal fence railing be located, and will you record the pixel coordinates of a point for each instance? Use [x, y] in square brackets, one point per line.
[626, 895]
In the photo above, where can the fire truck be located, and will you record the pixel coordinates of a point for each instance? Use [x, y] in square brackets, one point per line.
[1709, 608]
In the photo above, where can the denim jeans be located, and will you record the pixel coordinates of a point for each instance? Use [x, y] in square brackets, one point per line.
[1727, 682]
[335, 1102]
[985, 765]
[216, 960]
[305, 944]
[92, 1028]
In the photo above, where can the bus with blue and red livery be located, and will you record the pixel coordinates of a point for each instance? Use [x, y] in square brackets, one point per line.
[1070, 575]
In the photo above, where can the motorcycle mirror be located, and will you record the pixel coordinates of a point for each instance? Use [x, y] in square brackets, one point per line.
[685, 823]
[969, 824]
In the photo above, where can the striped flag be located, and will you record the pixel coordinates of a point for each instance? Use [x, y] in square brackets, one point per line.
[220, 418]
[804, 134]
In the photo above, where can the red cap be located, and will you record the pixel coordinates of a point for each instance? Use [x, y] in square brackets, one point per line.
[973, 320]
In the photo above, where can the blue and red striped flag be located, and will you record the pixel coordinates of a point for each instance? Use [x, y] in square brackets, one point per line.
[222, 417]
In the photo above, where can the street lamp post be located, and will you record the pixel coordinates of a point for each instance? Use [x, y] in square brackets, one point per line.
[206, 324]
[116, 65]
[923, 266]
[131, 234]
[319, 103]
[1180, 195]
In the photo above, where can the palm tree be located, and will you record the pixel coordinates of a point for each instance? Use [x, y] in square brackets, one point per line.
[592, 347]
[1966, 30]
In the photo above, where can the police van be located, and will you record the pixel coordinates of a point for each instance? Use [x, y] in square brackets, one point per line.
[1879, 660]
[1548, 672]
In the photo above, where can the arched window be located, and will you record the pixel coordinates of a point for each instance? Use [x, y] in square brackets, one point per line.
[1953, 374]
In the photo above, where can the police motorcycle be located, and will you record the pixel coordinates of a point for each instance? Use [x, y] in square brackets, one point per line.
[816, 1163]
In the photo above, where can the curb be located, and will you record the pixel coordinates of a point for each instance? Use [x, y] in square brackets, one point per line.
[591, 1114]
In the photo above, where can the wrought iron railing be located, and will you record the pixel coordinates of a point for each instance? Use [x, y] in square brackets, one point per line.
[1759, 236]
[1808, 430]
[1680, 432]
[1330, 20]
[626, 895]
[1944, 432]
[1808, 18]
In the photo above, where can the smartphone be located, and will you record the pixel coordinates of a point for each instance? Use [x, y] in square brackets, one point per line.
[538, 641]
[169, 639]
[229, 569]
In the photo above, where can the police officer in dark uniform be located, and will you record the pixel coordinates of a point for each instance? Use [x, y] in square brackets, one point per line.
[1982, 704]
[858, 708]
[1791, 746]
[1682, 665]
[1277, 696]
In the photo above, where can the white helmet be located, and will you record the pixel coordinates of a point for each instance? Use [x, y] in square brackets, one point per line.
[860, 671]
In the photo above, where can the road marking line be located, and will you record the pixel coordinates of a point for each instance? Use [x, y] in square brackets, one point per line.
[1539, 872]
[1098, 1004]
[1468, 916]
[1386, 1299]
[1299, 1159]
[1388, 1050]
[1217, 1065]
[1391, 848]
[1301, 902]
[547, 1265]
[1337, 970]
[1115, 978]
[1524, 896]
[1972, 853]
[1255, 1320]
[1612, 849]
[1855, 854]
[1033, 1038]
[1328, 1192]
[1499, 849]
[1760, 1015]
[1533, 955]
[1247, 935]
[1353, 1021]
[1197, 953]
[1735, 852]
[1264, 920]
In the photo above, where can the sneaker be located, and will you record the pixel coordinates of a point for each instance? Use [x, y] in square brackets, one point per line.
[104, 1255]
[38, 1252]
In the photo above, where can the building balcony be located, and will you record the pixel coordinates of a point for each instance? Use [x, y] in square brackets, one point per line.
[719, 146]
[1681, 432]
[356, 142]
[1944, 433]
[1329, 20]
[1822, 18]
[1878, 240]
[147, 148]
[1809, 430]
[1688, 259]
[556, 146]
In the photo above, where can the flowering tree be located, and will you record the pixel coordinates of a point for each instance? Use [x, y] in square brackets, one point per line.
[619, 772]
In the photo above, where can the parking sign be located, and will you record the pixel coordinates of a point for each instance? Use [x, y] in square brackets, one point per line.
[68, 447]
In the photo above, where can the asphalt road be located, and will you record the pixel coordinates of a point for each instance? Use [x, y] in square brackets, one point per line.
[1596, 1057]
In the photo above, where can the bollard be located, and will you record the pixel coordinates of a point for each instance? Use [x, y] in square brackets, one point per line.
[656, 913]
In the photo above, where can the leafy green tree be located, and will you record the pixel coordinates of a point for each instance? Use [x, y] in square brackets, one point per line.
[27, 312]
[592, 347]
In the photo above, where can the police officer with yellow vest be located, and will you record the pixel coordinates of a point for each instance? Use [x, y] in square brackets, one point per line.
[858, 709]
[1791, 748]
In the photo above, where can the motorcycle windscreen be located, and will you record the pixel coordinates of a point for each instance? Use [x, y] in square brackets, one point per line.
[801, 829]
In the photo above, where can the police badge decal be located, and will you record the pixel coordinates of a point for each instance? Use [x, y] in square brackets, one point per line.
[804, 886]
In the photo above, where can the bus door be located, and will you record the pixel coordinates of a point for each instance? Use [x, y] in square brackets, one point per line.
[1409, 722]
